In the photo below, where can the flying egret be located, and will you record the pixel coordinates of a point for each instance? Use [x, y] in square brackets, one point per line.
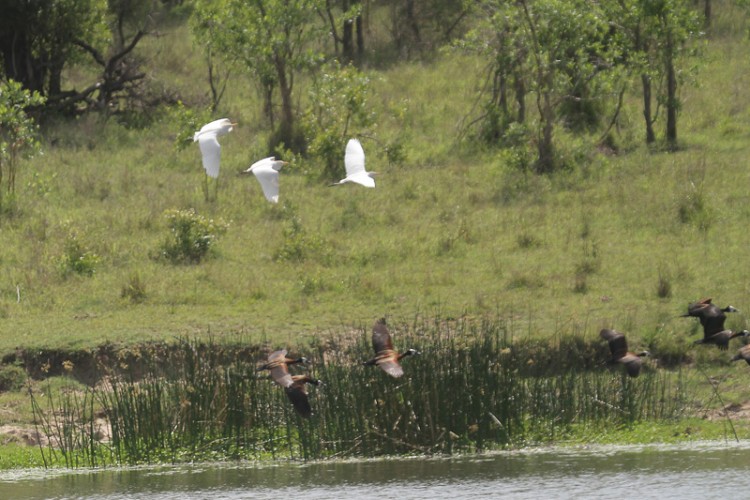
[207, 139]
[267, 173]
[354, 161]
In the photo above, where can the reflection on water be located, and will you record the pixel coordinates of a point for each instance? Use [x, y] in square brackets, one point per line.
[699, 470]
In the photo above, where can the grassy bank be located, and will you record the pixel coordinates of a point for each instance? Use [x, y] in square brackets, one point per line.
[623, 240]
[474, 388]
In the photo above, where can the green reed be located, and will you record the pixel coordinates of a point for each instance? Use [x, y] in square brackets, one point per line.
[473, 388]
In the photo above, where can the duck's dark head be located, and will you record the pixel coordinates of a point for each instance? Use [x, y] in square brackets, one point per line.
[730, 309]
[302, 361]
[412, 352]
[644, 354]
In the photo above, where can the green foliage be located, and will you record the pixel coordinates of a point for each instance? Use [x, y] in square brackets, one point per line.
[274, 41]
[17, 132]
[693, 209]
[134, 289]
[298, 245]
[76, 257]
[52, 31]
[192, 236]
[188, 122]
[474, 389]
[12, 378]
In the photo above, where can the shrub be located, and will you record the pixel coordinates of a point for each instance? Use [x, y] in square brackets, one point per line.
[134, 289]
[692, 208]
[77, 258]
[298, 245]
[192, 236]
[12, 378]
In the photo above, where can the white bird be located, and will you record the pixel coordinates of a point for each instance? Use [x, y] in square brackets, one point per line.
[267, 173]
[354, 161]
[207, 139]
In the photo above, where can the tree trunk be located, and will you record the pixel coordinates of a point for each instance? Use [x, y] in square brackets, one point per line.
[707, 14]
[520, 88]
[286, 126]
[347, 41]
[647, 115]
[546, 148]
[672, 102]
[360, 36]
[347, 34]
[411, 19]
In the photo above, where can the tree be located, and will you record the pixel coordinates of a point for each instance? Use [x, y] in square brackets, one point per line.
[17, 131]
[656, 37]
[494, 39]
[203, 24]
[551, 48]
[349, 19]
[423, 25]
[273, 40]
[38, 38]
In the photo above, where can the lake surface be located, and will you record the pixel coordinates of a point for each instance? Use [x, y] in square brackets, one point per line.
[698, 470]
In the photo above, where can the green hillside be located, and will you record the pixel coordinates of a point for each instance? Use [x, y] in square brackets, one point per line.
[620, 239]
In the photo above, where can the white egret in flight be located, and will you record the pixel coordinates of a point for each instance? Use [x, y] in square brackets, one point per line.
[354, 161]
[207, 139]
[267, 173]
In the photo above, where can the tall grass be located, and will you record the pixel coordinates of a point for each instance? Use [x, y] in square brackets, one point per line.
[473, 388]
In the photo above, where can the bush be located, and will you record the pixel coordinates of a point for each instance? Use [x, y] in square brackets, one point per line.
[77, 258]
[12, 378]
[134, 289]
[192, 236]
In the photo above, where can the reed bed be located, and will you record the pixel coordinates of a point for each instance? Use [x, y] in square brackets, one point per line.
[472, 389]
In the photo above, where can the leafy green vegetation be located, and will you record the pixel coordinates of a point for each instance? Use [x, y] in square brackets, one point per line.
[473, 389]
[620, 233]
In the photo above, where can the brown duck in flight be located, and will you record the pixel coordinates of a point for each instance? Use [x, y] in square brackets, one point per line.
[711, 316]
[385, 356]
[294, 385]
[618, 346]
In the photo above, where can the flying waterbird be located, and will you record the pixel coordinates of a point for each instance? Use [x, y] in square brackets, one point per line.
[712, 318]
[618, 346]
[294, 385]
[207, 139]
[354, 161]
[267, 173]
[721, 339]
[385, 356]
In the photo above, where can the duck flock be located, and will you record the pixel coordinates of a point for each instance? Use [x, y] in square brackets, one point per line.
[711, 316]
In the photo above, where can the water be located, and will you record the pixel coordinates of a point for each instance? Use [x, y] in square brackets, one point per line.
[698, 470]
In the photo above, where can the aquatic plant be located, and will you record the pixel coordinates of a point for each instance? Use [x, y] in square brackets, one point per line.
[474, 388]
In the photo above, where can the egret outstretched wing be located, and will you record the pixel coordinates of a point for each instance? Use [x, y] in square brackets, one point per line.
[211, 151]
[207, 139]
[354, 159]
[267, 173]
